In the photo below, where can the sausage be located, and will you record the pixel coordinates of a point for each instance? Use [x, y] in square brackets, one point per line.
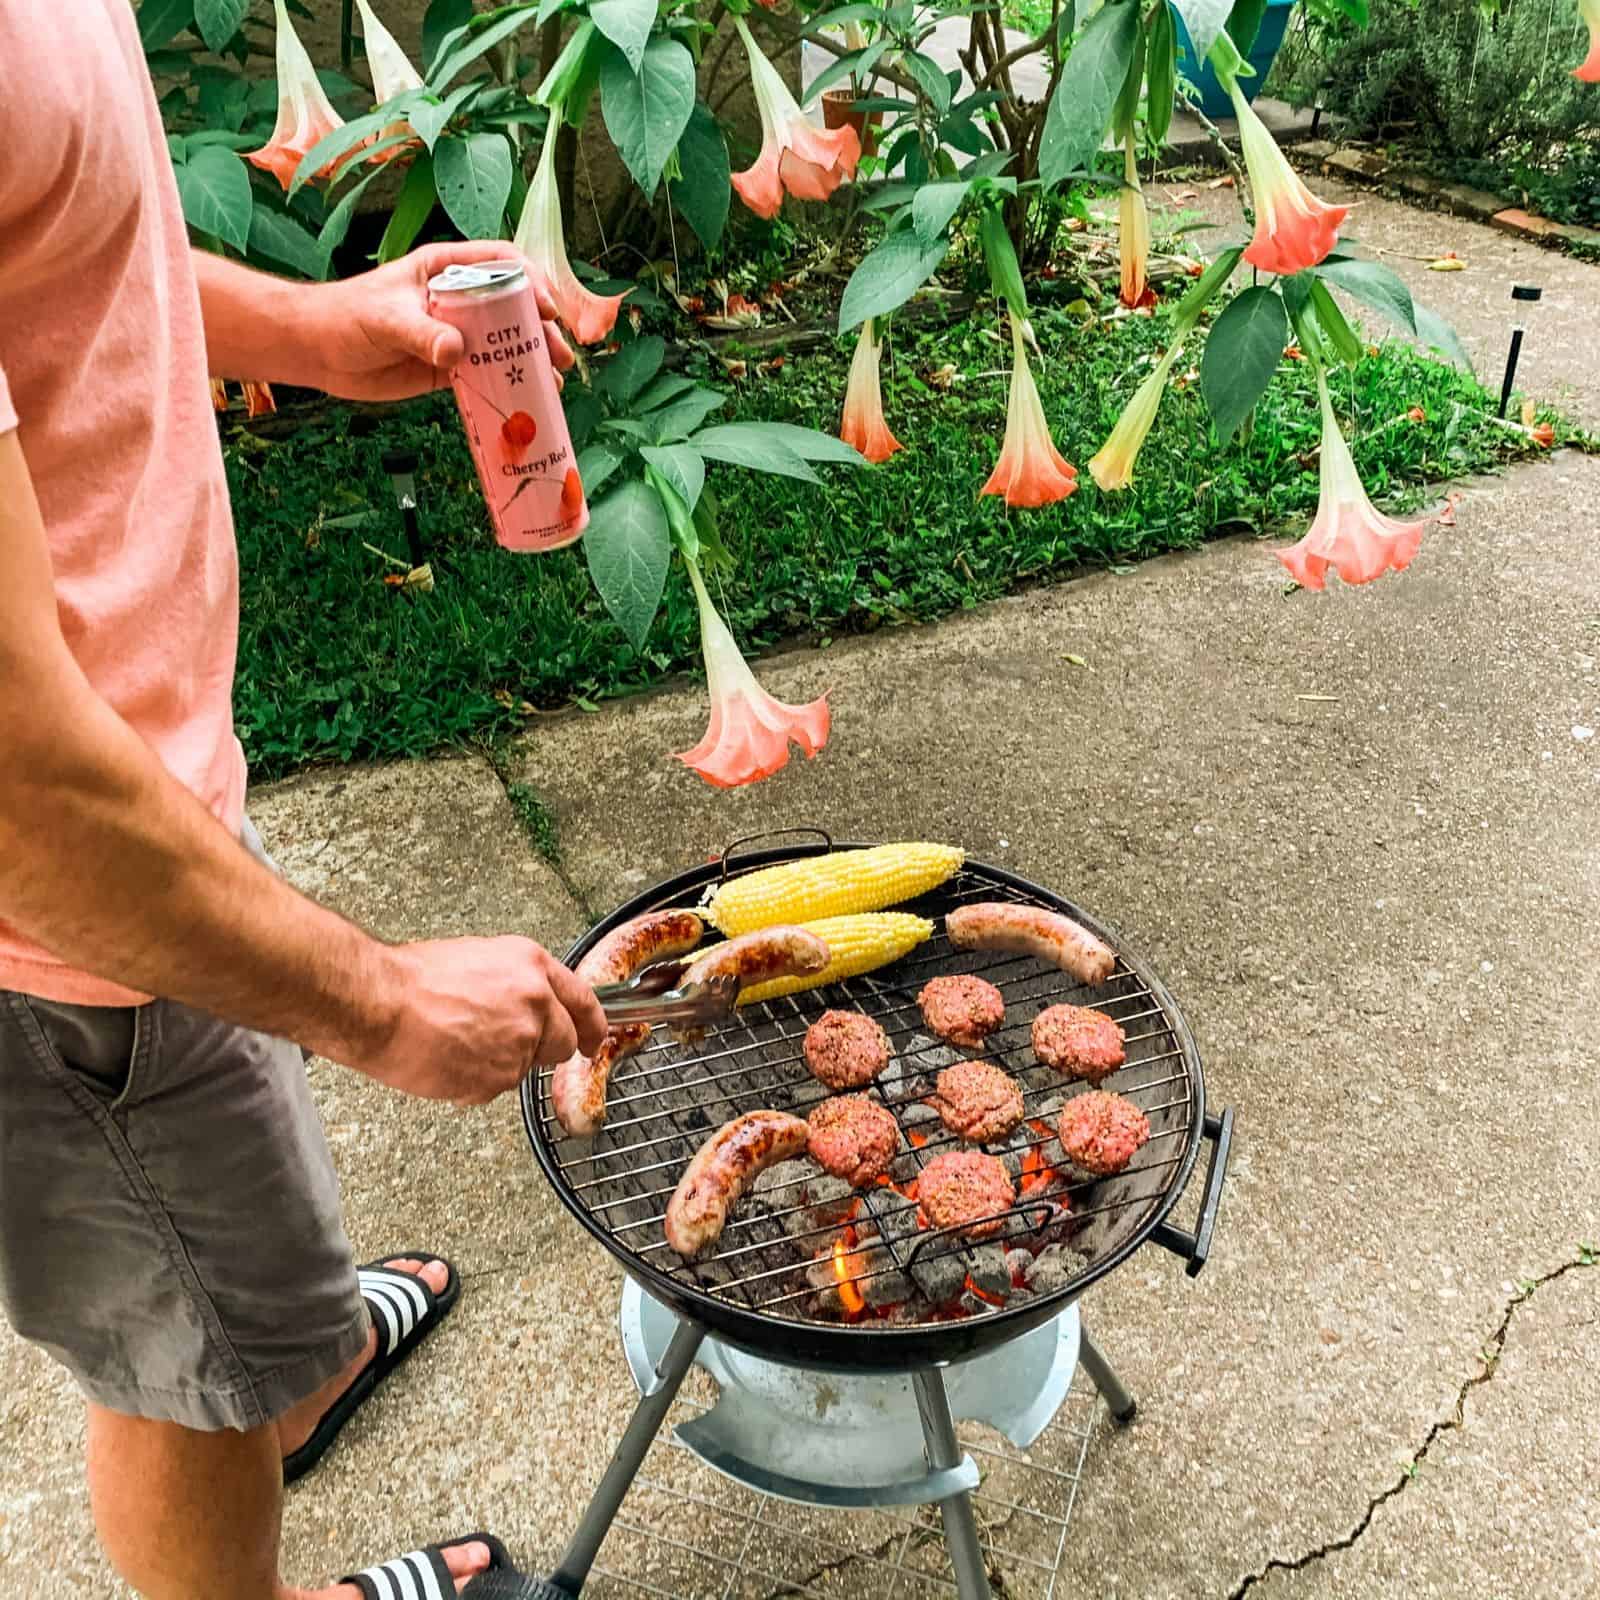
[578, 1085]
[636, 944]
[1031, 931]
[722, 1169]
[781, 952]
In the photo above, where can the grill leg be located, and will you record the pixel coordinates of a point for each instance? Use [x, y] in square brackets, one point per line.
[1123, 1405]
[642, 1428]
[943, 1450]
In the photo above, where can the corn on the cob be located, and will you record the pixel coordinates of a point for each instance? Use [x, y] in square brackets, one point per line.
[858, 943]
[838, 884]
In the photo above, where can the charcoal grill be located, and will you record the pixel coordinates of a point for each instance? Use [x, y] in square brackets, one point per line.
[755, 1289]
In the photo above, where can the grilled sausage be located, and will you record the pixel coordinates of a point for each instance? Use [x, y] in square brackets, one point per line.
[722, 1169]
[781, 952]
[1031, 931]
[578, 1085]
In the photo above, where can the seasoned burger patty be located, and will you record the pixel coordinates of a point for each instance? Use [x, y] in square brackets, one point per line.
[963, 1009]
[978, 1101]
[1101, 1132]
[1079, 1041]
[853, 1137]
[963, 1187]
[845, 1049]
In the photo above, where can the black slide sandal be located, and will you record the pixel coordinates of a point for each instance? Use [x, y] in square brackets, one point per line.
[405, 1311]
[422, 1575]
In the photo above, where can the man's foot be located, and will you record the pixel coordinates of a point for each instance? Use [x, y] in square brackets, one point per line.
[297, 1426]
[465, 1562]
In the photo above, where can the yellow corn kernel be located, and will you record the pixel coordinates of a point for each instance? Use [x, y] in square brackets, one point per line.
[838, 884]
[856, 944]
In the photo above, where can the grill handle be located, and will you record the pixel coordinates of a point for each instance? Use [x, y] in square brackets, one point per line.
[1195, 1247]
[725, 860]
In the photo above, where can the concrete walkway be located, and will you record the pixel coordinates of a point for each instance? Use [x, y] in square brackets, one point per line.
[1378, 907]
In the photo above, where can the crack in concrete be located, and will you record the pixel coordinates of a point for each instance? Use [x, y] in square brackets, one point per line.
[543, 839]
[1489, 1355]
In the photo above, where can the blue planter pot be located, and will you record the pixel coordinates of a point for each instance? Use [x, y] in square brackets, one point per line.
[1214, 99]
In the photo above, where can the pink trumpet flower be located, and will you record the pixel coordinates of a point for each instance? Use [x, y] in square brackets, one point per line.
[1294, 229]
[1349, 534]
[1589, 68]
[863, 426]
[587, 317]
[1133, 235]
[258, 401]
[392, 75]
[749, 733]
[304, 112]
[797, 156]
[1030, 471]
[1112, 466]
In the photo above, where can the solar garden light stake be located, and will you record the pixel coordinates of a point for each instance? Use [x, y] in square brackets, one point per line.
[1519, 291]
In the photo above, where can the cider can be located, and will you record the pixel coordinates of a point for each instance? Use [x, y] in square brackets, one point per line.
[505, 388]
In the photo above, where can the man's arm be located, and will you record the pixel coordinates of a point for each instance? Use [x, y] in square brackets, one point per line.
[111, 864]
[364, 338]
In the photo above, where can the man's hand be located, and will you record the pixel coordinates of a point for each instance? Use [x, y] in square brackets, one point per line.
[475, 1016]
[371, 337]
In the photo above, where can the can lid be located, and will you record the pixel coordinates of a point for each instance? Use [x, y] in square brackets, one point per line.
[460, 278]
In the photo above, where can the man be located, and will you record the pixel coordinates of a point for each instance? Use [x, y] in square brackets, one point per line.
[169, 1221]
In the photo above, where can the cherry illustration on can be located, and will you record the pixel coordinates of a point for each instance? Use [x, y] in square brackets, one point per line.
[505, 389]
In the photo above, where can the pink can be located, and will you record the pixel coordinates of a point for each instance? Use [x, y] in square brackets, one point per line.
[506, 390]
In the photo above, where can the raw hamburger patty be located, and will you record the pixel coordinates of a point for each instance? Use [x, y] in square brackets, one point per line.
[963, 1009]
[853, 1137]
[1079, 1041]
[1101, 1132]
[846, 1050]
[963, 1187]
[978, 1101]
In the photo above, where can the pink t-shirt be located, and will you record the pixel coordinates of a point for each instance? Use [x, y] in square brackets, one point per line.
[103, 375]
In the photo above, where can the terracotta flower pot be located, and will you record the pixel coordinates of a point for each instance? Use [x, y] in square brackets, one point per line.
[836, 113]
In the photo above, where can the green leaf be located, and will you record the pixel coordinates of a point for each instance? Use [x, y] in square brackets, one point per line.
[1374, 284]
[811, 444]
[1161, 57]
[633, 366]
[1127, 106]
[1080, 109]
[1437, 334]
[1242, 352]
[215, 188]
[888, 277]
[583, 413]
[411, 210]
[1244, 23]
[339, 142]
[933, 207]
[1342, 338]
[218, 21]
[338, 222]
[681, 466]
[658, 392]
[1005, 272]
[857, 64]
[627, 24]
[596, 465]
[682, 417]
[442, 17]
[1204, 19]
[282, 240]
[930, 78]
[1209, 281]
[161, 21]
[646, 112]
[177, 149]
[857, 11]
[749, 444]
[703, 192]
[428, 117]
[474, 180]
[627, 547]
[483, 36]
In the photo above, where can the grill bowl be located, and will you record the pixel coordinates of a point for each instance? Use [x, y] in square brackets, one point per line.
[751, 1288]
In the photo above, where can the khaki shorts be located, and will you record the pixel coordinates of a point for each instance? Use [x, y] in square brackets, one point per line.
[170, 1227]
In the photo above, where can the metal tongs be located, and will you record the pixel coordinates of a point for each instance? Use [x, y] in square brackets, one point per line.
[654, 996]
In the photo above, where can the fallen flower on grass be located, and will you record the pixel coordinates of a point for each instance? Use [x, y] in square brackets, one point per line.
[1030, 471]
[1349, 533]
[749, 732]
[305, 113]
[1543, 434]
[1417, 414]
[1448, 262]
[797, 156]
[863, 425]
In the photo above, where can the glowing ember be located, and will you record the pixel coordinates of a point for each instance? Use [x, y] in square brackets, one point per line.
[844, 1269]
[983, 1294]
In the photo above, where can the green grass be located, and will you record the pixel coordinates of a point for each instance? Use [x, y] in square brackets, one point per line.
[334, 664]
